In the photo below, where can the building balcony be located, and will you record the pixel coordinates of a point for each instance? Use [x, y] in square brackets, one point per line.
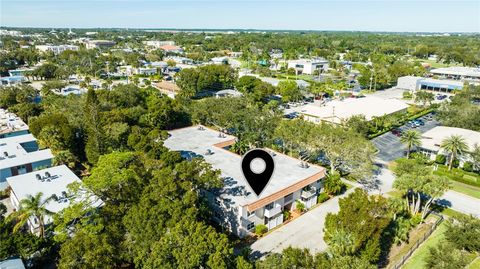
[269, 213]
[307, 194]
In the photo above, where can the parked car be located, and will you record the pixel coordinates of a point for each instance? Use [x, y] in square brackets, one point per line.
[397, 132]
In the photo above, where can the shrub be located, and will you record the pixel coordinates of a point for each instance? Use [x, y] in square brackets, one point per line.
[468, 166]
[286, 215]
[300, 206]
[322, 197]
[415, 220]
[455, 163]
[260, 229]
[421, 158]
[407, 95]
[441, 159]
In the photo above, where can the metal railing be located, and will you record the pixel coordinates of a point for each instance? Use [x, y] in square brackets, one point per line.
[419, 241]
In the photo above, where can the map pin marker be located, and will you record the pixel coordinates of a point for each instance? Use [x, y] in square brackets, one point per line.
[257, 180]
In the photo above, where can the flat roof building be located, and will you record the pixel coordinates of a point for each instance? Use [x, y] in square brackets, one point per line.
[431, 141]
[92, 44]
[158, 43]
[21, 154]
[49, 181]
[458, 73]
[413, 83]
[56, 49]
[308, 66]
[236, 207]
[11, 124]
[337, 111]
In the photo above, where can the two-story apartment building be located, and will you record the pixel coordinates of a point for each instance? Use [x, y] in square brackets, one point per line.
[21, 154]
[236, 206]
[50, 181]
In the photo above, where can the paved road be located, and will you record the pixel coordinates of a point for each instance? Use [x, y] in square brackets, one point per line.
[452, 199]
[305, 231]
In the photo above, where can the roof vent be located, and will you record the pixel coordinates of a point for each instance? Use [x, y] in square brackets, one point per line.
[47, 174]
[38, 176]
[5, 154]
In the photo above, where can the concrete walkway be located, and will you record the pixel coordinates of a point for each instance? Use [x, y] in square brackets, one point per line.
[305, 231]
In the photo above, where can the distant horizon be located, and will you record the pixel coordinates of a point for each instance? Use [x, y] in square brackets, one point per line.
[232, 29]
[389, 16]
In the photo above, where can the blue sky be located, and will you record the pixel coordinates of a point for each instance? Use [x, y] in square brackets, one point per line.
[387, 15]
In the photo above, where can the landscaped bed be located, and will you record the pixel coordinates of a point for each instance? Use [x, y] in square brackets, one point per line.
[398, 251]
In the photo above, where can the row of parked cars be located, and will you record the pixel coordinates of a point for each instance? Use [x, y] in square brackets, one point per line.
[413, 124]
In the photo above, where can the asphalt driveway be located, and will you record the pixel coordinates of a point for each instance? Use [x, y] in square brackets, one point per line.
[305, 231]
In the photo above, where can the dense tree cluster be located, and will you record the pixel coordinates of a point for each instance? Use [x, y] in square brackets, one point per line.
[205, 79]
[463, 111]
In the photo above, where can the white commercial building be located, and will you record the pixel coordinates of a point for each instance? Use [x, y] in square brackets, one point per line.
[458, 73]
[337, 111]
[308, 66]
[56, 49]
[158, 43]
[413, 83]
[50, 182]
[432, 139]
[236, 207]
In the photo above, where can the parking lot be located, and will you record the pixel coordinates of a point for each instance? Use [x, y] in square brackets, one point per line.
[389, 145]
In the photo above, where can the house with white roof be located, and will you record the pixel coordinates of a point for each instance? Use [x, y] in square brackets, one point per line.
[21, 154]
[308, 66]
[52, 181]
[431, 141]
[11, 124]
[236, 206]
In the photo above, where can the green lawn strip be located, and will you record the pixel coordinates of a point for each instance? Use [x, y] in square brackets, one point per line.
[466, 189]
[416, 261]
[475, 264]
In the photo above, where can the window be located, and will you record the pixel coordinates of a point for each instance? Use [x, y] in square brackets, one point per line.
[269, 206]
[250, 214]
[287, 199]
[251, 226]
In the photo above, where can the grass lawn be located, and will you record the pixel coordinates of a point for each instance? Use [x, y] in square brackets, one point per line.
[475, 264]
[416, 261]
[434, 64]
[395, 193]
[466, 189]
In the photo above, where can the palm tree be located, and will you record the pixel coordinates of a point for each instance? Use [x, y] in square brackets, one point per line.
[410, 138]
[239, 147]
[454, 144]
[33, 207]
